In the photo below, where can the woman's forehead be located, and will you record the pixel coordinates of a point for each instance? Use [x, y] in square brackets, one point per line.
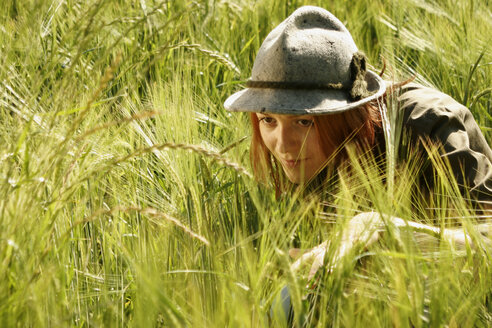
[284, 116]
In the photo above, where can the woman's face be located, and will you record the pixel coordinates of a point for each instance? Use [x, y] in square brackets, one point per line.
[294, 142]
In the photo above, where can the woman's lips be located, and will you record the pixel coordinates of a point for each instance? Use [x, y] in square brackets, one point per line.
[292, 163]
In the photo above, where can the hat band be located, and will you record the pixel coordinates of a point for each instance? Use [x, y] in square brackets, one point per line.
[358, 89]
[294, 85]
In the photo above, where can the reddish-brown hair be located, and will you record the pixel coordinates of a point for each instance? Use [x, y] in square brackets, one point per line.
[357, 126]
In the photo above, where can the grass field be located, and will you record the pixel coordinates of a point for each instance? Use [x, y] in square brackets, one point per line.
[126, 197]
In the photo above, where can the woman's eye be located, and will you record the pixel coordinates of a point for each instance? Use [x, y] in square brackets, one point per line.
[267, 120]
[305, 122]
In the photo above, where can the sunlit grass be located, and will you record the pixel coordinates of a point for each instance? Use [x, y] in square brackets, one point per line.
[125, 189]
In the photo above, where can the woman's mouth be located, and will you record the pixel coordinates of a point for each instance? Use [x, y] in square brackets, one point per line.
[292, 163]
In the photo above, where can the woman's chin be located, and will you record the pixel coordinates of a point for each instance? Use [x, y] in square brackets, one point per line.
[297, 177]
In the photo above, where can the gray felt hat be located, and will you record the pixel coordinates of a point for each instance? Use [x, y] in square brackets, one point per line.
[309, 64]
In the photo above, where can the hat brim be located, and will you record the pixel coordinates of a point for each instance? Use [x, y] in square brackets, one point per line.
[301, 101]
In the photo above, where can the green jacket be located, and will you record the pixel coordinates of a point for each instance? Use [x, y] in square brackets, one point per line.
[434, 116]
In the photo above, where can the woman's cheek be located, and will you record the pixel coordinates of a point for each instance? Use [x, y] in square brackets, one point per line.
[267, 139]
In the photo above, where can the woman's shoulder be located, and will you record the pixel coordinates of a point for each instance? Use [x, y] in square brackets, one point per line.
[424, 108]
[433, 116]
[429, 113]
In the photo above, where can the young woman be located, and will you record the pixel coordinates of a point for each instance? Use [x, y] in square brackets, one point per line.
[311, 99]
[310, 95]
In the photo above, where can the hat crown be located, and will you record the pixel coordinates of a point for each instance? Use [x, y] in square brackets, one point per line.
[309, 64]
[310, 46]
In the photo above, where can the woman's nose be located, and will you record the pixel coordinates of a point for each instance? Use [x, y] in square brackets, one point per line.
[287, 141]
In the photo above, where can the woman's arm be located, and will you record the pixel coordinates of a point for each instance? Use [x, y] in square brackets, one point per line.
[364, 230]
[432, 117]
